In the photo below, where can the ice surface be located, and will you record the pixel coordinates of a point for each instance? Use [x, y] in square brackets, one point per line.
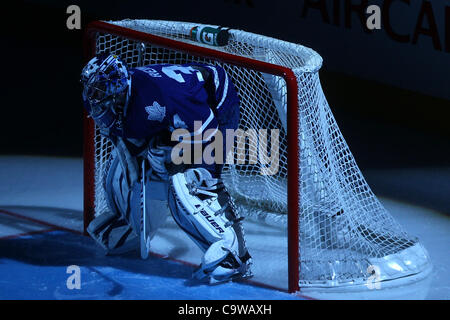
[50, 189]
[35, 267]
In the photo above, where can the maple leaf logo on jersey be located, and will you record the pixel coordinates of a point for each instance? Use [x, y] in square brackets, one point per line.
[156, 112]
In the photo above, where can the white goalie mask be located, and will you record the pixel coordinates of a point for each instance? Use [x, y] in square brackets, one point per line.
[106, 89]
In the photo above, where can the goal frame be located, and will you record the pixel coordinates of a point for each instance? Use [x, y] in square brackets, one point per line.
[293, 158]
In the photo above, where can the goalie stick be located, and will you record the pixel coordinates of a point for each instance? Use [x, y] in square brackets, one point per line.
[144, 236]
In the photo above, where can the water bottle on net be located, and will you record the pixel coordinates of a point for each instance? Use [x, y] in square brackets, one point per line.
[214, 36]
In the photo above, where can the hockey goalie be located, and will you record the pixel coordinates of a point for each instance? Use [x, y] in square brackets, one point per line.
[138, 109]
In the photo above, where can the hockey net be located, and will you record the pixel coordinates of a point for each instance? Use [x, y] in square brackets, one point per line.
[341, 228]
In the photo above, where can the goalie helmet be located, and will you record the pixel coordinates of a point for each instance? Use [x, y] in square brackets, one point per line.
[106, 88]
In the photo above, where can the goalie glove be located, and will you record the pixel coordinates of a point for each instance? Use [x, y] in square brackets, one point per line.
[203, 208]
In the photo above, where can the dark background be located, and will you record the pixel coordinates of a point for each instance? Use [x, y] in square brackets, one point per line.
[384, 125]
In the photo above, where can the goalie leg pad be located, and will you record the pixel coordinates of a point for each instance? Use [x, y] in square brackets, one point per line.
[124, 201]
[194, 200]
[198, 217]
[113, 233]
[117, 188]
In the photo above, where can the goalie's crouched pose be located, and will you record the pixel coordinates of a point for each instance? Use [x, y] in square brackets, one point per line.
[138, 109]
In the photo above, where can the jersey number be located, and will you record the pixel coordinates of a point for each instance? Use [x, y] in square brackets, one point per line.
[175, 72]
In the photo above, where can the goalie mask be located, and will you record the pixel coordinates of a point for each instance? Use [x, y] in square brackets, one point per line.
[106, 87]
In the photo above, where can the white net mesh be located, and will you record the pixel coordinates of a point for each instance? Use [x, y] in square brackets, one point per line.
[343, 227]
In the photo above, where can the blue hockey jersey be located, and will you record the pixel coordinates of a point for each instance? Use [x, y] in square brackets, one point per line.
[168, 96]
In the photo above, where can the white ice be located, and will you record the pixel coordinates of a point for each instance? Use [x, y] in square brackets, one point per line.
[51, 189]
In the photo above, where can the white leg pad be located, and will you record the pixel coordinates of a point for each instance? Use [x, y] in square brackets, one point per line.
[198, 217]
[194, 203]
